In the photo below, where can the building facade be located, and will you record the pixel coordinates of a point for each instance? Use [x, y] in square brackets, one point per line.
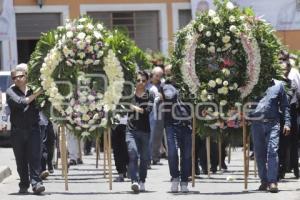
[151, 23]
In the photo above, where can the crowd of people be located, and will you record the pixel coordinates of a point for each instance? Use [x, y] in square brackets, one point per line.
[158, 125]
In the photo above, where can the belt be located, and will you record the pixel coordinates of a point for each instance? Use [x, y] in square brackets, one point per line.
[265, 120]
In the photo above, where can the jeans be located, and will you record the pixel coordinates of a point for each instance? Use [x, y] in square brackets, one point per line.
[138, 147]
[120, 148]
[27, 150]
[156, 136]
[179, 137]
[47, 146]
[266, 144]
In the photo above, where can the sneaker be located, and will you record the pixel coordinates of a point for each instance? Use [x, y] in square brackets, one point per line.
[23, 191]
[38, 188]
[135, 187]
[175, 185]
[51, 171]
[263, 187]
[157, 163]
[119, 179]
[184, 187]
[44, 175]
[79, 161]
[273, 188]
[142, 187]
[72, 162]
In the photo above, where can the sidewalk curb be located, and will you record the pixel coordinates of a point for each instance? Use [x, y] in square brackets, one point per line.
[4, 172]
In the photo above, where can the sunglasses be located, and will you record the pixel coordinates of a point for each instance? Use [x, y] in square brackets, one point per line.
[141, 80]
[18, 77]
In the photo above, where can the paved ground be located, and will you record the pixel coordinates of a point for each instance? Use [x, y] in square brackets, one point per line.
[86, 182]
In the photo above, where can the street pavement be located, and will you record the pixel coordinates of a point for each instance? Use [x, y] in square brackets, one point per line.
[87, 182]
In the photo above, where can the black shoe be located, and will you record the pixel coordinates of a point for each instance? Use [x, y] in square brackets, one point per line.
[72, 162]
[157, 163]
[263, 187]
[38, 189]
[273, 188]
[23, 191]
[79, 161]
[224, 166]
[119, 179]
[214, 170]
[197, 171]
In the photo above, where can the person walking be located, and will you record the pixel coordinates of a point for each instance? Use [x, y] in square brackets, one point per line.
[265, 129]
[25, 131]
[138, 134]
[179, 134]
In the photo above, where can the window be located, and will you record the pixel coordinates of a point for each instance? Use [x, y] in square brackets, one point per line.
[185, 16]
[29, 29]
[142, 26]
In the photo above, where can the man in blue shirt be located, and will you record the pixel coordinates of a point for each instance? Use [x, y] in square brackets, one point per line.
[266, 131]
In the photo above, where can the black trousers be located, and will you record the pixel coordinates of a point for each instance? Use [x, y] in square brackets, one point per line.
[213, 156]
[288, 146]
[27, 149]
[48, 145]
[120, 148]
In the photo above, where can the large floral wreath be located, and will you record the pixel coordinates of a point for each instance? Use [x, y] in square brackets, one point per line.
[218, 57]
[82, 73]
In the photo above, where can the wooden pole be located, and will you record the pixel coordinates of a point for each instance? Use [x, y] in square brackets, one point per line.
[220, 149]
[193, 150]
[79, 148]
[64, 156]
[104, 152]
[109, 157]
[97, 151]
[229, 153]
[248, 154]
[245, 153]
[208, 155]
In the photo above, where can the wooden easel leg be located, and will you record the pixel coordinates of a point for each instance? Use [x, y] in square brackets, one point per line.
[208, 155]
[97, 151]
[245, 154]
[104, 152]
[109, 157]
[64, 156]
[194, 151]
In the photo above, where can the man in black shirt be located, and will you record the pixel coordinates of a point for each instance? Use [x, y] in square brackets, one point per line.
[138, 134]
[25, 132]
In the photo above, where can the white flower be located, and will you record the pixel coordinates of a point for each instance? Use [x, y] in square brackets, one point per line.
[229, 6]
[96, 62]
[204, 92]
[234, 51]
[237, 104]
[203, 98]
[82, 99]
[85, 117]
[68, 26]
[99, 54]
[97, 34]
[69, 34]
[88, 39]
[80, 45]
[211, 13]
[219, 81]
[235, 86]
[231, 18]
[208, 33]
[233, 28]
[242, 18]
[81, 55]
[212, 84]
[225, 83]
[223, 102]
[212, 49]
[79, 27]
[227, 46]
[202, 46]
[216, 20]
[231, 88]
[200, 27]
[226, 71]
[81, 35]
[224, 90]
[91, 98]
[99, 26]
[219, 49]
[90, 26]
[218, 34]
[226, 39]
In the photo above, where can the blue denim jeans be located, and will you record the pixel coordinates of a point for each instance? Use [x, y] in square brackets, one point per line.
[156, 136]
[179, 137]
[266, 144]
[138, 147]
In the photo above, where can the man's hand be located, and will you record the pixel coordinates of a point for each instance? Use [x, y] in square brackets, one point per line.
[286, 130]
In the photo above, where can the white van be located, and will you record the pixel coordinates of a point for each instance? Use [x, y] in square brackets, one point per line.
[5, 82]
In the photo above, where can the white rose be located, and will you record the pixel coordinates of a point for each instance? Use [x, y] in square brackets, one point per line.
[242, 18]
[225, 83]
[99, 54]
[99, 26]
[208, 33]
[231, 18]
[216, 20]
[235, 86]
[202, 46]
[97, 34]
[212, 49]
[82, 99]
[204, 92]
[226, 71]
[200, 27]
[219, 81]
[81, 35]
[211, 13]
[218, 34]
[79, 27]
[85, 134]
[80, 45]
[96, 62]
[229, 6]
[82, 19]
[85, 117]
[210, 97]
[69, 34]
[233, 28]
[81, 55]
[226, 39]
[91, 98]
[203, 98]
[225, 90]
[223, 102]
[90, 26]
